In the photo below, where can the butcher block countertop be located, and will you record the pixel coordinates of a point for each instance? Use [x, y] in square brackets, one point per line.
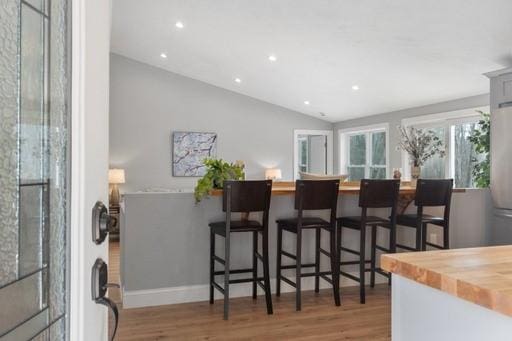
[288, 188]
[480, 275]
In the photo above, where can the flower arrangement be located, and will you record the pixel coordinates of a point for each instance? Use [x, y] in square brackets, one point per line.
[420, 144]
[217, 171]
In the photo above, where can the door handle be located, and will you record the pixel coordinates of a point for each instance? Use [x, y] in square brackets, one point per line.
[102, 222]
[99, 287]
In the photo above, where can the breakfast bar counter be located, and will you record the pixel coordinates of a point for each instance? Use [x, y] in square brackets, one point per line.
[164, 239]
[463, 294]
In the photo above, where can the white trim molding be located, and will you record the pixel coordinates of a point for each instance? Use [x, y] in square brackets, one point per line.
[327, 133]
[200, 293]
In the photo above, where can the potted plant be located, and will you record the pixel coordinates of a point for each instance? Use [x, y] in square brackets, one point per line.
[217, 171]
[421, 145]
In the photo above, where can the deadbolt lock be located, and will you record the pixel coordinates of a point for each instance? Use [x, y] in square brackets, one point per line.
[101, 222]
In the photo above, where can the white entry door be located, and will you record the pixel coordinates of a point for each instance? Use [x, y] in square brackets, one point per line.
[54, 81]
[89, 155]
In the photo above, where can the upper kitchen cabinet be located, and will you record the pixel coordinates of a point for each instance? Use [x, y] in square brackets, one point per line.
[501, 88]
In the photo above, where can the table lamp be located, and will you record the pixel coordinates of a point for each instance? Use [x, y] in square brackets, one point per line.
[115, 177]
[273, 174]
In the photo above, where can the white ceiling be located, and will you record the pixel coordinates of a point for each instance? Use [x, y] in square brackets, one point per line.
[401, 53]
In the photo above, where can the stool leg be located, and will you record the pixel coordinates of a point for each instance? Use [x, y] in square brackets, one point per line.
[335, 267]
[362, 296]
[446, 236]
[254, 264]
[226, 277]
[418, 236]
[298, 269]
[338, 243]
[424, 237]
[317, 260]
[373, 256]
[212, 264]
[278, 260]
[266, 272]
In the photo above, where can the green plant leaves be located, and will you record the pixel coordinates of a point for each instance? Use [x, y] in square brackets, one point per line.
[217, 171]
[481, 140]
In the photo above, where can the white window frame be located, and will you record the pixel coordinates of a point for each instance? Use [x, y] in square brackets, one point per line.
[326, 133]
[344, 146]
[446, 120]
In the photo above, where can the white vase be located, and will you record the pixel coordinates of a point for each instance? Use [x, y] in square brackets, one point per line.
[415, 175]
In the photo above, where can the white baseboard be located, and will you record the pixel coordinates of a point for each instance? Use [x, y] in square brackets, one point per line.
[198, 293]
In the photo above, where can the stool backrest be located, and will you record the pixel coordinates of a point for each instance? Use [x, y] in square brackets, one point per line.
[379, 193]
[316, 194]
[434, 192]
[247, 196]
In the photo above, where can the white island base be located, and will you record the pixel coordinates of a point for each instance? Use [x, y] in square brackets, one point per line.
[422, 313]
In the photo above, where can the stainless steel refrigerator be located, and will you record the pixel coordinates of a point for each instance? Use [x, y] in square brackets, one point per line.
[501, 155]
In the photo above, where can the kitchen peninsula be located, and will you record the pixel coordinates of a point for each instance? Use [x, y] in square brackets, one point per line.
[452, 294]
[165, 239]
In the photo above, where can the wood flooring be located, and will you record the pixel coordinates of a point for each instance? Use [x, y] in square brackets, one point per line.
[318, 320]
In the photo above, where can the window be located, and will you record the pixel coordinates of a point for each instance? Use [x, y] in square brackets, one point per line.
[454, 129]
[363, 152]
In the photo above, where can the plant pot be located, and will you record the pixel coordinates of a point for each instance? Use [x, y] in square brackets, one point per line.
[415, 175]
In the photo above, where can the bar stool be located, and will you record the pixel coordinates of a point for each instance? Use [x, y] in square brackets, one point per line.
[242, 196]
[310, 195]
[429, 193]
[372, 194]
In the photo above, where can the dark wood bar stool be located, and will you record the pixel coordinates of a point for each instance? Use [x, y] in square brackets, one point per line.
[310, 195]
[242, 196]
[372, 194]
[429, 193]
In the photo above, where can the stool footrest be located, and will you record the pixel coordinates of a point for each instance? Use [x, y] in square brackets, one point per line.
[244, 280]
[262, 286]
[289, 255]
[327, 279]
[260, 257]
[233, 272]
[353, 262]
[312, 274]
[382, 272]
[349, 250]
[435, 245]
[405, 247]
[352, 277]
[293, 266]
[287, 281]
[325, 252]
[218, 287]
[381, 248]
[220, 260]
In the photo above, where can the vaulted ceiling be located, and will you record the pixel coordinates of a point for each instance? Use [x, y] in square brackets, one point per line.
[399, 53]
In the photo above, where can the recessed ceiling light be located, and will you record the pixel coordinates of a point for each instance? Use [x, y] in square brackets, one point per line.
[272, 58]
[306, 102]
[163, 55]
[238, 80]
[355, 87]
[179, 25]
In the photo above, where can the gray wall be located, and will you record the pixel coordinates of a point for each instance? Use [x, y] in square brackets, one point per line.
[394, 119]
[148, 103]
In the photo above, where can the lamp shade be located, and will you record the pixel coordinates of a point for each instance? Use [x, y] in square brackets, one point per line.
[273, 174]
[116, 176]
